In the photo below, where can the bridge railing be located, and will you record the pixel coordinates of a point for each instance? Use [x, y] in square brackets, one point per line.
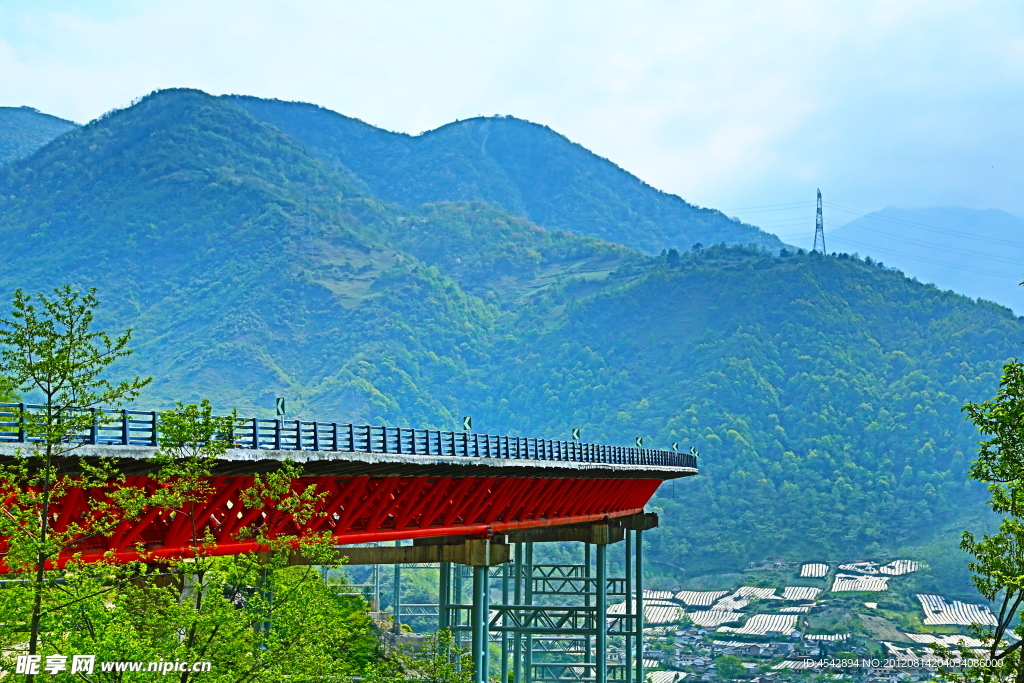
[142, 428]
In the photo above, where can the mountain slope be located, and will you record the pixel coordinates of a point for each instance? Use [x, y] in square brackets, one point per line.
[977, 253]
[189, 215]
[523, 167]
[822, 392]
[23, 130]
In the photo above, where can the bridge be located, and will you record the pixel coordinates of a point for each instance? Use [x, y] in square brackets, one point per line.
[464, 500]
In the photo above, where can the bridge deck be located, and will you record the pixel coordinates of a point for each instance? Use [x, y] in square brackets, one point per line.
[370, 483]
[135, 461]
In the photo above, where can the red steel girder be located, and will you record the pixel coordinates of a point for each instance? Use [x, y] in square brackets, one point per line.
[352, 510]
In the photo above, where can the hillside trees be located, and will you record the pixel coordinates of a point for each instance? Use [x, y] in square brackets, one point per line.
[438, 660]
[998, 565]
[824, 395]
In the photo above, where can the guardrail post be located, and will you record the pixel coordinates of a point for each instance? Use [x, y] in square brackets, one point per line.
[277, 435]
[21, 423]
[124, 427]
[298, 435]
[94, 429]
[153, 440]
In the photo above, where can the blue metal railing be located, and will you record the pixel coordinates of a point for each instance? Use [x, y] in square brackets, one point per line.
[141, 428]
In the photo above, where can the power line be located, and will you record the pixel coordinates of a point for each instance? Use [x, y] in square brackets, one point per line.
[786, 208]
[925, 259]
[918, 243]
[873, 248]
[764, 206]
[947, 231]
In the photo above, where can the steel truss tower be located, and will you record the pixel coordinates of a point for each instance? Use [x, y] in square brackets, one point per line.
[547, 622]
[819, 229]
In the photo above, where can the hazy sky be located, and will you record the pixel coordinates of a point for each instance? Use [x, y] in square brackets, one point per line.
[728, 104]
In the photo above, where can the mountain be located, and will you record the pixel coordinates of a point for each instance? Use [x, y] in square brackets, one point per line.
[188, 214]
[525, 168]
[979, 253]
[249, 269]
[822, 392]
[23, 130]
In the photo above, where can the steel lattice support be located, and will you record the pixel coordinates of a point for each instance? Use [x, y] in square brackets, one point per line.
[556, 627]
[551, 629]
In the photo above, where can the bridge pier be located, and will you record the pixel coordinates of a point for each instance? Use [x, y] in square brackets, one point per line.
[542, 639]
[548, 623]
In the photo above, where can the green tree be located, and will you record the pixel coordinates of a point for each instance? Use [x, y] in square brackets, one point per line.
[50, 348]
[729, 667]
[251, 615]
[998, 565]
[438, 660]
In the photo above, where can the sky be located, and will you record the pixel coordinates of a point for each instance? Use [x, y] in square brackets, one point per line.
[747, 107]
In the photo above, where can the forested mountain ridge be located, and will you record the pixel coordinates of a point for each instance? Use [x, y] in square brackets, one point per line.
[822, 392]
[525, 168]
[189, 215]
[23, 130]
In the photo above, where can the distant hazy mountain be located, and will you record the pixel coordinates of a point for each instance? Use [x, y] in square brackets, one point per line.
[973, 252]
[23, 130]
[523, 167]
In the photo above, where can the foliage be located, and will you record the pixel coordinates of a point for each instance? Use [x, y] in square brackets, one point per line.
[822, 393]
[49, 347]
[998, 565]
[23, 130]
[252, 615]
[438, 660]
[217, 610]
[524, 168]
[729, 668]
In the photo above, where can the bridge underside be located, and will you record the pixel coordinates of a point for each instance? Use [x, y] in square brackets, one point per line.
[359, 510]
[405, 497]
